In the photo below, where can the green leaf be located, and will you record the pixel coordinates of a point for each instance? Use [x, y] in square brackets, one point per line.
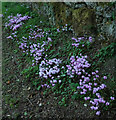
[75, 96]
[39, 88]
[25, 113]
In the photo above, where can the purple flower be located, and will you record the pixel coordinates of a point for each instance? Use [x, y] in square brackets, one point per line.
[98, 113]
[107, 103]
[9, 37]
[55, 81]
[90, 39]
[79, 73]
[102, 86]
[49, 39]
[112, 98]
[92, 102]
[105, 77]
[96, 71]
[98, 95]
[53, 84]
[96, 100]
[78, 87]
[92, 107]
[97, 76]
[74, 39]
[85, 98]
[95, 84]
[95, 108]
[58, 30]
[88, 98]
[93, 73]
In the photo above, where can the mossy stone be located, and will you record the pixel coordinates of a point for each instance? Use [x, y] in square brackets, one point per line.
[83, 21]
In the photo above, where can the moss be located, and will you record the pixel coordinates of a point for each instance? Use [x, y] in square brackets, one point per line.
[62, 13]
[10, 101]
[83, 20]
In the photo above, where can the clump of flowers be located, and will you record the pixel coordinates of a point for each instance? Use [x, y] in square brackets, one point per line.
[35, 50]
[16, 21]
[50, 69]
[88, 83]
[77, 65]
[34, 34]
[81, 41]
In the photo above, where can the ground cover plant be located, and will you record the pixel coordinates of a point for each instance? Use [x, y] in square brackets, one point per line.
[57, 61]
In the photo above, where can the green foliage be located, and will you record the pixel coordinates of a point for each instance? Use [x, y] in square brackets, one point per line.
[105, 52]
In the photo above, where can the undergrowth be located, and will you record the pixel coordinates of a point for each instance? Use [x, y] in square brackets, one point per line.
[57, 60]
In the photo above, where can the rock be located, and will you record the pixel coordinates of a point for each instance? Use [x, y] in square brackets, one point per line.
[87, 18]
[75, 5]
[83, 20]
[40, 104]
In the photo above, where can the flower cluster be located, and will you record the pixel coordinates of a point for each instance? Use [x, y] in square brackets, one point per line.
[34, 34]
[64, 28]
[86, 86]
[77, 65]
[87, 82]
[78, 40]
[36, 50]
[50, 69]
[16, 21]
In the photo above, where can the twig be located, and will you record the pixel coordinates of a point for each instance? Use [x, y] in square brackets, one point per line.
[30, 102]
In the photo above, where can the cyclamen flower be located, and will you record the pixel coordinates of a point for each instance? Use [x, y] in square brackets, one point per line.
[86, 98]
[90, 39]
[112, 98]
[95, 108]
[92, 107]
[10, 37]
[58, 30]
[55, 81]
[93, 73]
[105, 77]
[97, 76]
[49, 39]
[98, 95]
[95, 84]
[102, 86]
[98, 113]
[107, 103]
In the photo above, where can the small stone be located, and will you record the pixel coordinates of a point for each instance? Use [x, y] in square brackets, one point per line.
[40, 104]
[85, 105]
[29, 88]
